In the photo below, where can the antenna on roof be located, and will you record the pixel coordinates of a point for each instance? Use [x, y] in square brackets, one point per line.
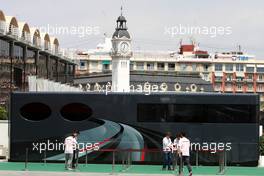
[239, 48]
[192, 40]
[121, 10]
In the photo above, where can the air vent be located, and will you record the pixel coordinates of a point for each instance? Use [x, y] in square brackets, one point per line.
[76, 112]
[35, 111]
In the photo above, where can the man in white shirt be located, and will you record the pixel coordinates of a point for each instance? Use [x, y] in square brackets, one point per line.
[184, 148]
[176, 150]
[167, 149]
[70, 145]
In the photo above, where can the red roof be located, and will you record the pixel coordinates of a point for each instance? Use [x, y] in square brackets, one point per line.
[186, 48]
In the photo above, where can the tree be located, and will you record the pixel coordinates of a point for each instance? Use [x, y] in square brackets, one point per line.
[3, 113]
[261, 107]
[261, 145]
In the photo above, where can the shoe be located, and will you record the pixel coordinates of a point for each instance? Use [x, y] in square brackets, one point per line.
[190, 174]
[169, 169]
[69, 169]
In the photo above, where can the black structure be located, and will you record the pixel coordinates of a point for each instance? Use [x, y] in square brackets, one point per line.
[134, 121]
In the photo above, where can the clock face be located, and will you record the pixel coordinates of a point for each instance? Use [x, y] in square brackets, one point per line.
[124, 47]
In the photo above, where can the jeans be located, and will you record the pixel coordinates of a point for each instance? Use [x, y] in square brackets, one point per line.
[167, 160]
[185, 160]
[175, 160]
[68, 160]
[75, 159]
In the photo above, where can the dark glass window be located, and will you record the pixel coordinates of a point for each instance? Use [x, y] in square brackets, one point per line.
[218, 67]
[161, 66]
[76, 112]
[229, 67]
[171, 66]
[250, 69]
[4, 48]
[260, 69]
[198, 113]
[35, 111]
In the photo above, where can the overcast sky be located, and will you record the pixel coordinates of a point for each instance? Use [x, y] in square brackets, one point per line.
[150, 22]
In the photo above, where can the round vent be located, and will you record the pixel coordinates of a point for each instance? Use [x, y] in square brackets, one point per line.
[76, 112]
[35, 111]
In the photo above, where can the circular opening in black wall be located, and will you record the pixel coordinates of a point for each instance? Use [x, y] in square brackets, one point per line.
[76, 112]
[35, 111]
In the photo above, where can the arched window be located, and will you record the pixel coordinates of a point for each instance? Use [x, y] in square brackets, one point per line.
[25, 31]
[2, 22]
[36, 40]
[12, 26]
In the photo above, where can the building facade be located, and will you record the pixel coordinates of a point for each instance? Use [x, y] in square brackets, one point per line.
[232, 72]
[24, 51]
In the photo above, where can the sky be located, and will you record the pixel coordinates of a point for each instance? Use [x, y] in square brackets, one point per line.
[153, 24]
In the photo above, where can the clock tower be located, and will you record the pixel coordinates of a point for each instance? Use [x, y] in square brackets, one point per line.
[121, 54]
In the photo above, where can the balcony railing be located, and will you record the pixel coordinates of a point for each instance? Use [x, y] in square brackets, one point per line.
[260, 80]
[248, 80]
[218, 79]
[250, 90]
[161, 68]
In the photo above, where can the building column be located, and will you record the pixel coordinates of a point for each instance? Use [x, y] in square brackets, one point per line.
[47, 65]
[223, 82]
[36, 61]
[255, 82]
[213, 80]
[244, 87]
[11, 55]
[245, 82]
[166, 66]
[74, 69]
[24, 67]
[57, 69]
[155, 66]
[234, 83]
[66, 72]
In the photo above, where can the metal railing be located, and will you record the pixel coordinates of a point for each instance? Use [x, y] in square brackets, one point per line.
[126, 161]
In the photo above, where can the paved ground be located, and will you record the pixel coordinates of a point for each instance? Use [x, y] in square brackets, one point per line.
[57, 169]
[37, 173]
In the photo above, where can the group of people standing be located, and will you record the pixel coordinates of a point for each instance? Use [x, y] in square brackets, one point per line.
[178, 150]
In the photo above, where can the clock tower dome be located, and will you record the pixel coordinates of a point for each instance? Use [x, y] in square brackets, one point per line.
[121, 54]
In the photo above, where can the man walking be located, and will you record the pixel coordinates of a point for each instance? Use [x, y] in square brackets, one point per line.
[167, 149]
[184, 147]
